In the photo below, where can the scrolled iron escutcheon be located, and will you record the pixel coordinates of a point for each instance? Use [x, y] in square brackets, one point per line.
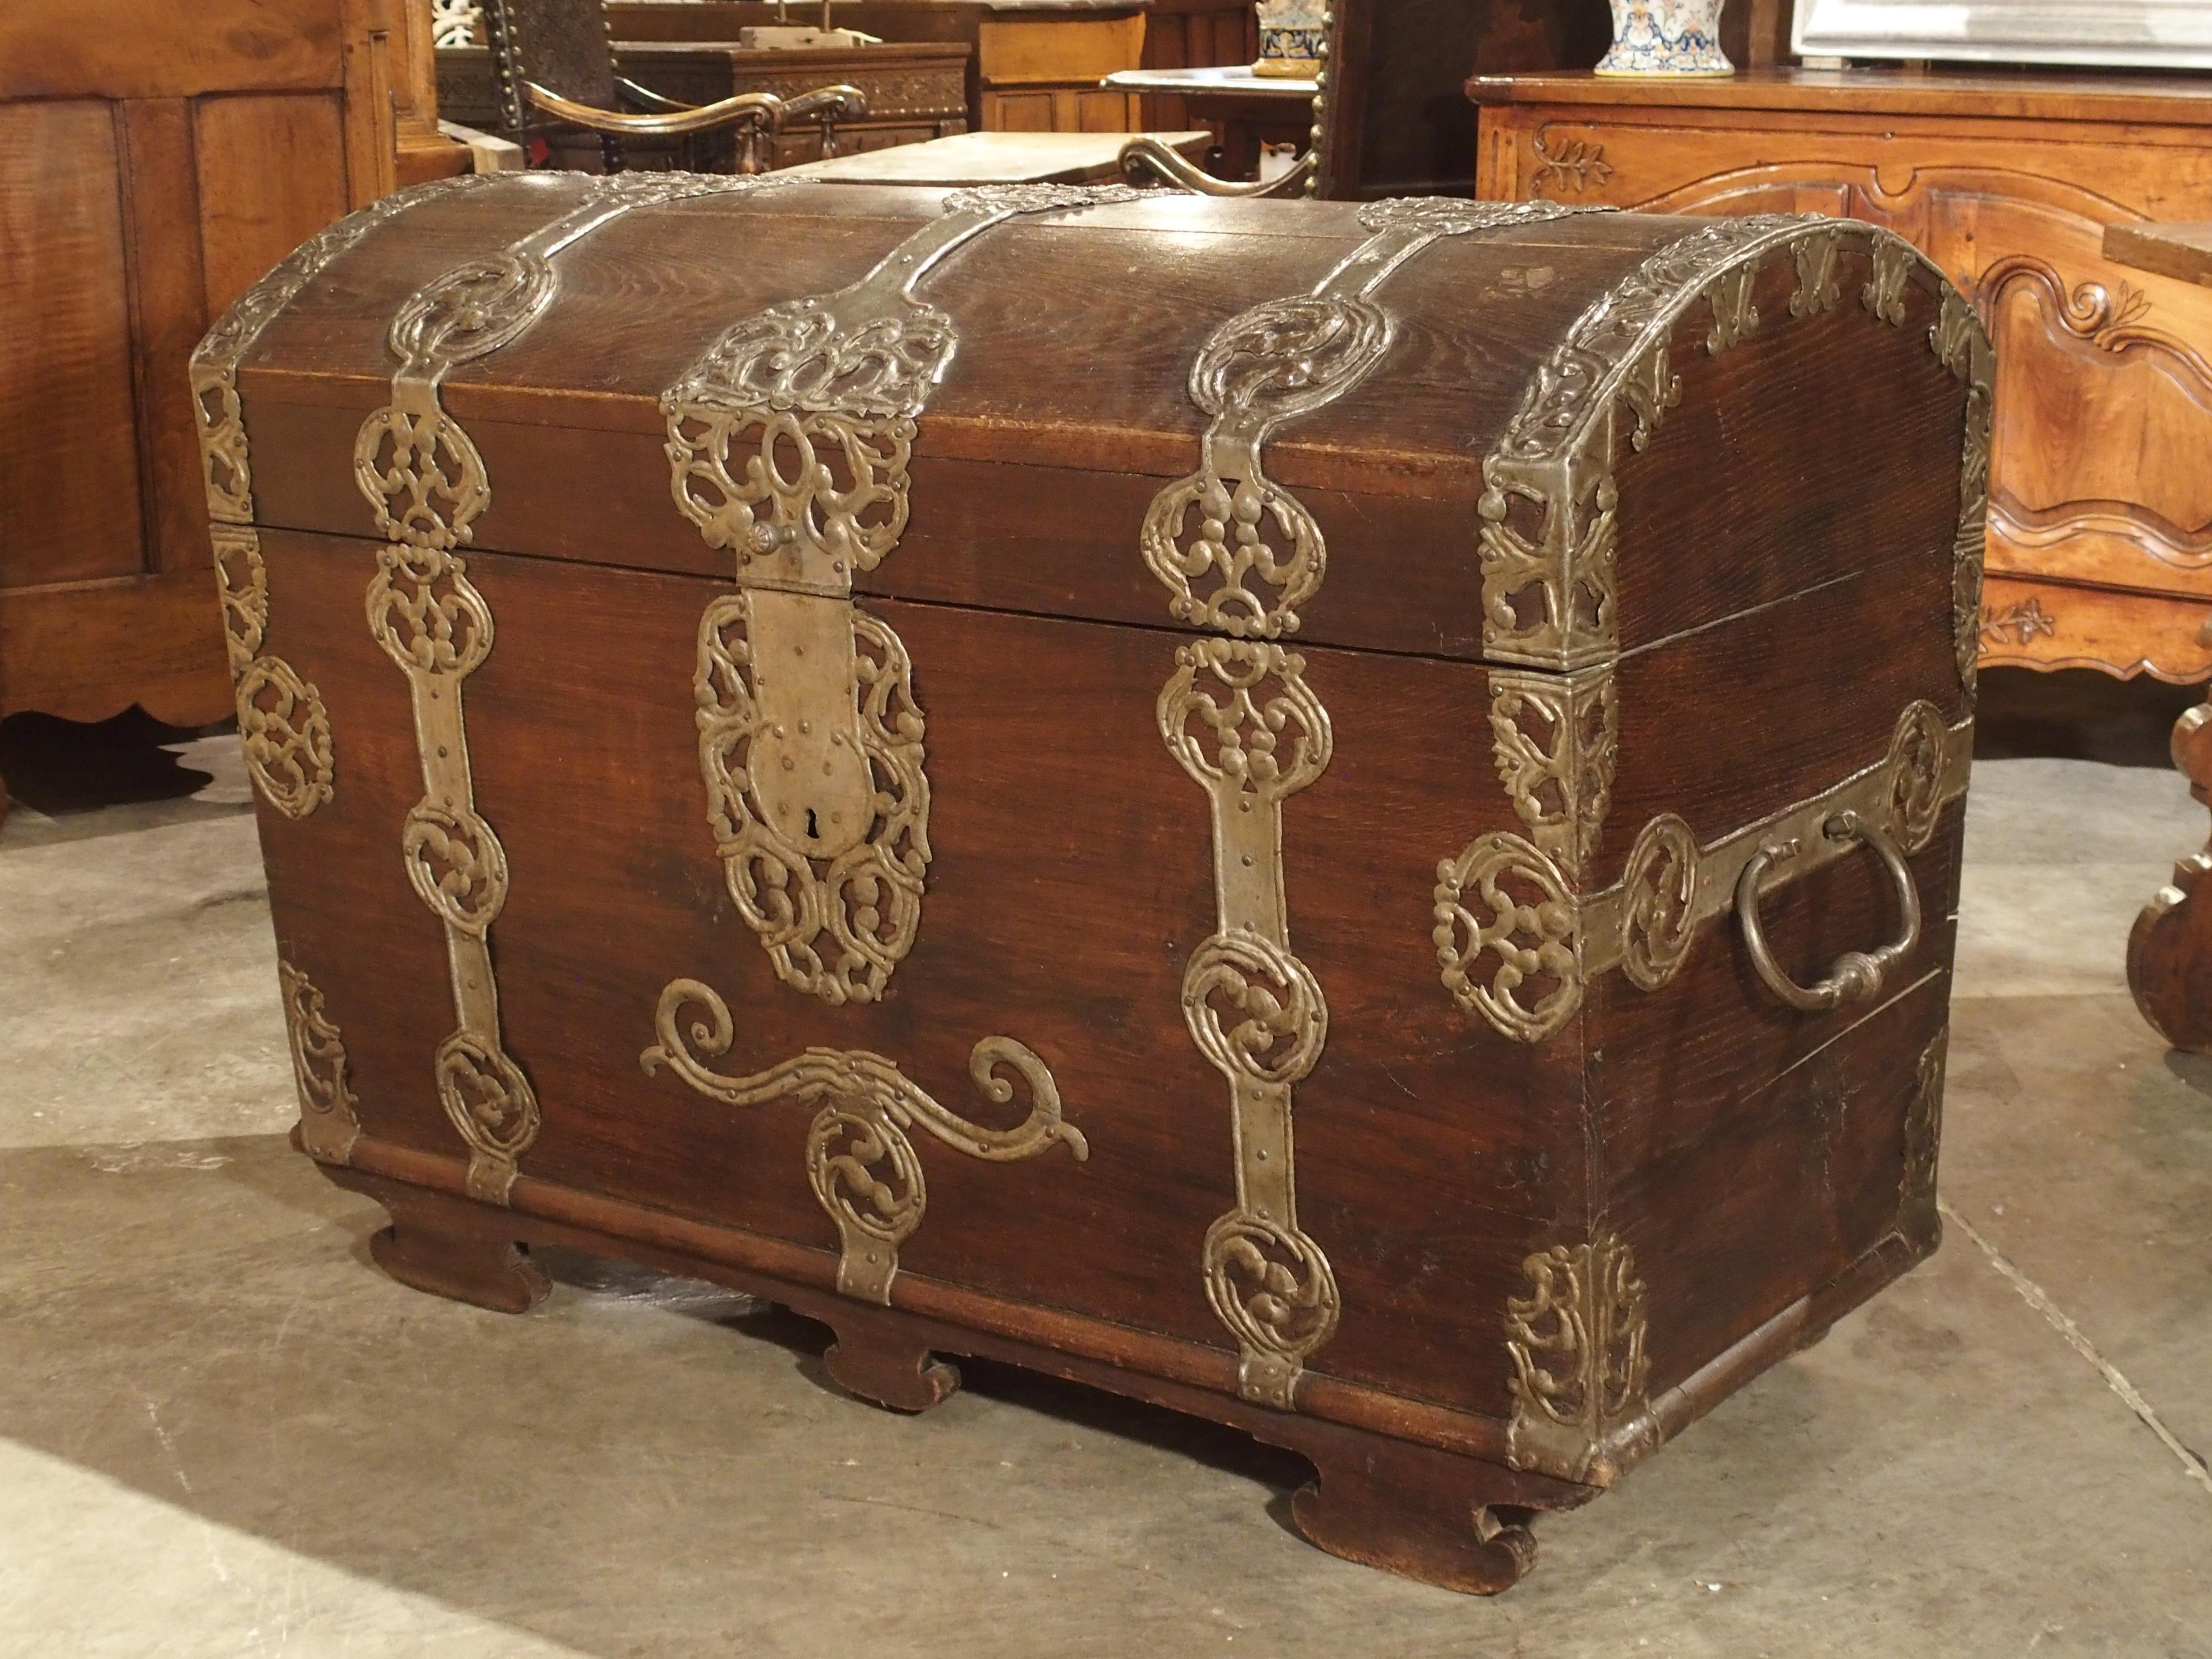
[1857, 976]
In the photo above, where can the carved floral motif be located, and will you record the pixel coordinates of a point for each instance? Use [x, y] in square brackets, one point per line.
[1572, 165]
[2021, 622]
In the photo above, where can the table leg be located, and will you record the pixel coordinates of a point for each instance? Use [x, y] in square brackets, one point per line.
[2169, 951]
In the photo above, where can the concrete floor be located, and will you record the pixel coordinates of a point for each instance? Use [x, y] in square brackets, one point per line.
[221, 1431]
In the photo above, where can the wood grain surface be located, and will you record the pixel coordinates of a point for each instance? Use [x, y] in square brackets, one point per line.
[1785, 593]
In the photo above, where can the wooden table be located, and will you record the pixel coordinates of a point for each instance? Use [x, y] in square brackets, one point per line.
[2169, 951]
[996, 158]
[1254, 109]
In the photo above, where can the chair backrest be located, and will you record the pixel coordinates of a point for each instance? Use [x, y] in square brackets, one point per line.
[561, 44]
[1393, 117]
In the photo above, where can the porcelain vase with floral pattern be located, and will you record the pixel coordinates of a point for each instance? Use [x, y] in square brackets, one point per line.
[1666, 37]
[1291, 36]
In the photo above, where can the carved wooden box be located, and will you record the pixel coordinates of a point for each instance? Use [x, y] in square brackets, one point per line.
[1343, 816]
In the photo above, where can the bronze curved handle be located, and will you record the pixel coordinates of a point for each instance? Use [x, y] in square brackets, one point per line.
[1146, 157]
[1858, 975]
[764, 109]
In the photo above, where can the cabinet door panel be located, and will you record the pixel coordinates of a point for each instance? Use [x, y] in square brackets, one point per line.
[69, 470]
[272, 172]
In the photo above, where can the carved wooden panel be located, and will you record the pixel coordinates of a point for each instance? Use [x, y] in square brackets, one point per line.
[2104, 398]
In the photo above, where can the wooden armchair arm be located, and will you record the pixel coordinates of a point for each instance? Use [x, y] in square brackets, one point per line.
[760, 109]
[1145, 156]
[835, 103]
[646, 99]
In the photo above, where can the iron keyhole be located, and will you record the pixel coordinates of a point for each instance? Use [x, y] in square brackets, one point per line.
[813, 829]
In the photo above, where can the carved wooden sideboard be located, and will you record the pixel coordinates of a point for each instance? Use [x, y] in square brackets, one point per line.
[155, 160]
[2100, 508]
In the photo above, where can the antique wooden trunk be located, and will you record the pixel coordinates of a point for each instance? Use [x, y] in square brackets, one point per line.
[1342, 816]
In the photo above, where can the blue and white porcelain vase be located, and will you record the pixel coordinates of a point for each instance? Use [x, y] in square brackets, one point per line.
[1666, 37]
[1291, 36]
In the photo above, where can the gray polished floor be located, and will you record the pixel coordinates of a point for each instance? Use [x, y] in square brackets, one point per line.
[223, 1433]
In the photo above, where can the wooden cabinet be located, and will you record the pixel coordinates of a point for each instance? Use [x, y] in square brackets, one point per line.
[155, 160]
[2100, 510]
[1039, 73]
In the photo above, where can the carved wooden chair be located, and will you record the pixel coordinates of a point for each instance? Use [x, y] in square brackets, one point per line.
[554, 63]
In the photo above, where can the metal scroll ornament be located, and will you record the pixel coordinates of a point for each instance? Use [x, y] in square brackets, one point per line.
[1963, 346]
[1517, 937]
[1547, 516]
[1917, 1217]
[282, 721]
[424, 479]
[1239, 555]
[789, 440]
[1577, 1341]
[328, 1123]
[1518, 943]
[1557, 741]
[860, 1161]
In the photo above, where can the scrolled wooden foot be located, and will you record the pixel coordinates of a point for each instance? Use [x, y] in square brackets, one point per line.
[1411, 1512]
[873, 1358]
[2169, 951]
[456, 1248]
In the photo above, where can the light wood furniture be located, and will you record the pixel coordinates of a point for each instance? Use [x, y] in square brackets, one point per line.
[2169, 951]
[2100, 519]
[155, 160]
[1036, 64]
[998, 158]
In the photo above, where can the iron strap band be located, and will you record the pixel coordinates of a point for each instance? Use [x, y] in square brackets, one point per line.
[1239, 719]
[425, 480]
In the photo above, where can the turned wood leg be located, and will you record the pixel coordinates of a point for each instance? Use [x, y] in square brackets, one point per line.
[1413, 1512]
[876, 1359]
[456, 1248]
[2169, 951]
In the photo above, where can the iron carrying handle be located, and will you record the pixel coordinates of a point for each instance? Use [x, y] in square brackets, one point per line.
[1857, 976]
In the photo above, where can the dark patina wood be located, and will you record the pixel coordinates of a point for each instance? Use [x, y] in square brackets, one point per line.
[1698, 1175]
